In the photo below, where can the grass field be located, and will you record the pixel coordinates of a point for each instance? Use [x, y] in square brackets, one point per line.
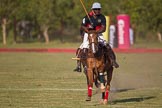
[75, 44]
[46, 80]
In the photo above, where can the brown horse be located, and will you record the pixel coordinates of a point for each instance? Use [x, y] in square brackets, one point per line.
[97, 62]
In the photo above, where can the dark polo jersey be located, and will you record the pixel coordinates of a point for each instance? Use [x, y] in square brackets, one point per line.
[97, 21]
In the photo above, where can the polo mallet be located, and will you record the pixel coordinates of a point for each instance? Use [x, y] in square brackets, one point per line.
[86, 12]
[90, 22]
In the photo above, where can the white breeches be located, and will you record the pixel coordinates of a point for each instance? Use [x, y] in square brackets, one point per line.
[85, 43]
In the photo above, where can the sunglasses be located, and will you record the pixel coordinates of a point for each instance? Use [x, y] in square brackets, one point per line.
[96, 9]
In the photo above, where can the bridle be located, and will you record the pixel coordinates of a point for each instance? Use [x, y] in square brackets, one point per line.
[93, 42]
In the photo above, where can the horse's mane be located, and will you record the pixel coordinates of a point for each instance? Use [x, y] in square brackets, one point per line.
[100, 51]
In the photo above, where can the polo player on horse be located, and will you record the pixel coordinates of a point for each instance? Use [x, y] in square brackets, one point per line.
[94, 21]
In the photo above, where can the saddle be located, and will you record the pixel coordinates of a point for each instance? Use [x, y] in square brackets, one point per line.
[82, 53]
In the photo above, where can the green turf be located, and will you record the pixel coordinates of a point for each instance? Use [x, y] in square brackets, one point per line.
[46, 80]
[75, 44]
[52, 44]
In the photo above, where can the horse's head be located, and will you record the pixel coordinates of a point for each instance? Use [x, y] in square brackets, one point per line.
[93, 41]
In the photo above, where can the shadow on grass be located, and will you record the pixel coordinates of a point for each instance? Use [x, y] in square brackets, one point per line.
[139, 99]
[121, 90]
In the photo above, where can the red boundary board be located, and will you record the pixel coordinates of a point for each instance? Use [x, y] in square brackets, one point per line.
[61, 50]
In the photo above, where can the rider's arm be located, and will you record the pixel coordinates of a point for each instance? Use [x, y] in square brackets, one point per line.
[85, 24]
[102, 29]
[85, 29]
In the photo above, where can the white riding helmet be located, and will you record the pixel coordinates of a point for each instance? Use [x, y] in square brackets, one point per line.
[96, 5]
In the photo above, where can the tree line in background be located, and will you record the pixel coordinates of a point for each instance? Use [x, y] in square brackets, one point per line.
[43, 17]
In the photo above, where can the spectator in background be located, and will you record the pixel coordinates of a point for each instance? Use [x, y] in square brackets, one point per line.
[112, 35]
[131, 35]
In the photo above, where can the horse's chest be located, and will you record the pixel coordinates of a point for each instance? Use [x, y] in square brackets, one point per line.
[93, 62]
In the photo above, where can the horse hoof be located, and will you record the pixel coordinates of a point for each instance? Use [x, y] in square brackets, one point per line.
[105, 101]
[88, 98]
[102, 90]
[101, 101]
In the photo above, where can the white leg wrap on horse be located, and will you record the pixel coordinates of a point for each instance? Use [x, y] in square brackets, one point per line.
[101, 73]
[102, 86]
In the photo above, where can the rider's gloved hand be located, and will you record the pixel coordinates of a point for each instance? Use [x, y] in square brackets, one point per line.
[90, 26]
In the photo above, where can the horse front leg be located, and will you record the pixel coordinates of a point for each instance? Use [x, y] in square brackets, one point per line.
[102, 86]
[89, 83]
[107, 90]
[102, 81]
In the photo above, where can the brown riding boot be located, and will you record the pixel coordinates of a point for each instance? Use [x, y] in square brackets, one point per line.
[112, 56]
